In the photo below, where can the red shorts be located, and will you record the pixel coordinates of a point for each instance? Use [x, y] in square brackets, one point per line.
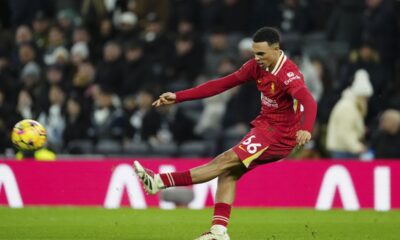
[261, 146]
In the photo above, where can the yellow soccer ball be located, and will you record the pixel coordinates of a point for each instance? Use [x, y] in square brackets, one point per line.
[28, 135]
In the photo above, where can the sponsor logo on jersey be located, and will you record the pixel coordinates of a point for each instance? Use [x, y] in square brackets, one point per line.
[291, 78]
[266, 101]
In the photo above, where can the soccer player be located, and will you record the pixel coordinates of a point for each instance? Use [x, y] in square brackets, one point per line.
[286, 119]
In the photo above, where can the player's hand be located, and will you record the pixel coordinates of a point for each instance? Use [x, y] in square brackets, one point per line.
[165, 99]
[303, 137]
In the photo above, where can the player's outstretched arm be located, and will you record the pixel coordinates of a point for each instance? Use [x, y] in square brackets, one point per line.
[165, 99]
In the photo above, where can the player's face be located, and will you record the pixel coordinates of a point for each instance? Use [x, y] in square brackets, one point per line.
[266, 55]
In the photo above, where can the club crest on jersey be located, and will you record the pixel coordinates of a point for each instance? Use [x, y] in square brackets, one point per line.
[259, 81]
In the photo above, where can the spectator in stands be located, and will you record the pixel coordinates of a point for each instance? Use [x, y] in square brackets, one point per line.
[56, 39]
[83, 78]
[242, 107]
[128, 29]
[386, 141]
[185, 26]
[53, 118]
[54, 76]
[109, 72]
[380, 25]
[137, 70]
[92, 13]
[79, 53]
[345, 23]
[8, 77]
[186, 63]
[104, 35]
[311, 76]
[107, 117]
[142, 8]
[233, 16]
[25, 108]
[158, 45]
[367, 58]
[218, 48]
[40, 27]
[245, 50]
[26, 54]
[215, 107]
[76, 122]
[66, 21]
[23, 11]
[56, 51]
[184, 17]
[23, 35]
[142, 120]
[59, 55]
[294, 18]
[5, 112]
[264, 13]
[80, 34]
[346, 129]
[30, 79]
[325, 105]
[209, 13]
[173, 120]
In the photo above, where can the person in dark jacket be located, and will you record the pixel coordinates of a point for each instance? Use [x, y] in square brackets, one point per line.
[386, 141]
[76, 123]
[137, 70]
[143, 122]
[109, 71]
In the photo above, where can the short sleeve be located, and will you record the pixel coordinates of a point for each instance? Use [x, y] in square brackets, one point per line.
[248, 71]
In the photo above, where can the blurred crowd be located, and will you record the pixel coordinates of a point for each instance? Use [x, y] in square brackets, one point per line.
[89, 70]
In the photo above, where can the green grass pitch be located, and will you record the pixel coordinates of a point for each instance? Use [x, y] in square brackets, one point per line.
[246, 224]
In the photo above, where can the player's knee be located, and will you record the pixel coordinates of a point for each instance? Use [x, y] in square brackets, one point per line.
[227, 161]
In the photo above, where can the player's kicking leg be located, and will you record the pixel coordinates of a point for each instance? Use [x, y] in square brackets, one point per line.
[227, 167]
[153, 183]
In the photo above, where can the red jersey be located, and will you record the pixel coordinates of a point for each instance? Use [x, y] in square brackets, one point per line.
[280, 89]
[278, 107]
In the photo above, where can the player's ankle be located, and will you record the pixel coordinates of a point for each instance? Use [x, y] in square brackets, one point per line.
[159, 182]
[218, 229]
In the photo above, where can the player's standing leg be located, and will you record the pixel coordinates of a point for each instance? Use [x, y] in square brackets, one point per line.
[223, 203]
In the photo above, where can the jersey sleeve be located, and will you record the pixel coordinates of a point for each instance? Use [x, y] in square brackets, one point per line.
[248, 71]
[293, 83]
[216, 86]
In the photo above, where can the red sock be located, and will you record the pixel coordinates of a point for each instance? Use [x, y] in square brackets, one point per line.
[176, 179]
[222, 212]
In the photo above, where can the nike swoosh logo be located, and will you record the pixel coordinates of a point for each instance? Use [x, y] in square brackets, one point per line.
[241, 147]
